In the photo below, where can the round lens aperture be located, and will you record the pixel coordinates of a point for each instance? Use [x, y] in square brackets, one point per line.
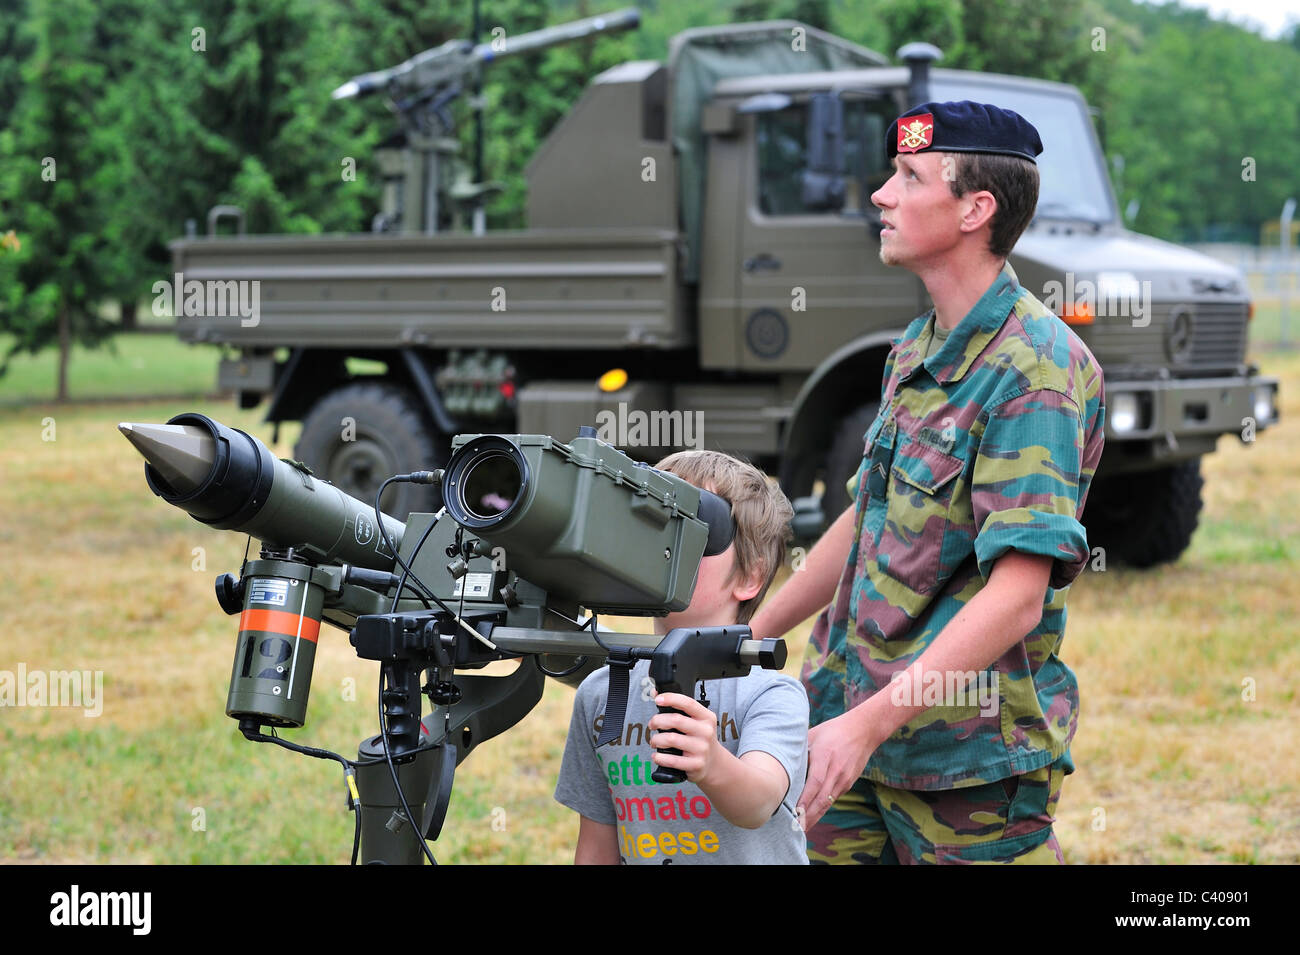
[486, 478]
[490, 485]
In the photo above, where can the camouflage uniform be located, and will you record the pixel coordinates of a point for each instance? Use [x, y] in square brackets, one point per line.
[987, 445]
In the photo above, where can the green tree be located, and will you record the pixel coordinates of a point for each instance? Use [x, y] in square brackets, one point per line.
[15, 48]
[1211, 130]
[56, 164]
[527, 95]
[929, 21]
[815, 13]
[272, 141]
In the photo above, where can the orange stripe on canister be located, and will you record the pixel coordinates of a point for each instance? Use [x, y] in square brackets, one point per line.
[279, 621]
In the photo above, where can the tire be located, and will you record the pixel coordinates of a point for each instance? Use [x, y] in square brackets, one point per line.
[361, 433]
[1147, 518]
[844, 458]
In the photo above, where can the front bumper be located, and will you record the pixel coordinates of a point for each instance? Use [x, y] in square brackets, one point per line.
[1182, 417]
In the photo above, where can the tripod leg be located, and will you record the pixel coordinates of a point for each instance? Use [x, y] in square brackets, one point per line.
[386, 837]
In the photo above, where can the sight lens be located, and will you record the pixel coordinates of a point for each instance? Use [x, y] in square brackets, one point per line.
[490, 484]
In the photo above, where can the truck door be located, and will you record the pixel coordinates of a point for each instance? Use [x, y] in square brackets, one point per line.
[809, 279]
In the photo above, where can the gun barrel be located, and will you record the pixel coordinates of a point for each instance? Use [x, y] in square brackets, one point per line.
[628, 18]
[459, 57]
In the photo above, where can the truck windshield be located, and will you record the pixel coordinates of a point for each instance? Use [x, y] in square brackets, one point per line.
[1072, 178]
[783, 156]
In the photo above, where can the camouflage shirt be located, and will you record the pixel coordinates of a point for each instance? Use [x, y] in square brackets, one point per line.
[987, 445]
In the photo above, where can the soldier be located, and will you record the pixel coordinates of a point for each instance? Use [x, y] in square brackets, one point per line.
[941, 712]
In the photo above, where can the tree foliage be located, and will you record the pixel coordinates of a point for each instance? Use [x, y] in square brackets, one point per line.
[156, 110]
[56, 169]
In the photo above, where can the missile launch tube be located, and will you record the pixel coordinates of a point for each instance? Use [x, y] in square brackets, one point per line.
[247, 489]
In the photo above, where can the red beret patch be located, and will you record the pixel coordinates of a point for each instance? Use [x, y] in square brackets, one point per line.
[915, 132]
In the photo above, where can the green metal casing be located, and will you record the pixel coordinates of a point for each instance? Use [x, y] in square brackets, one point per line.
[592, 526]
[276, 647]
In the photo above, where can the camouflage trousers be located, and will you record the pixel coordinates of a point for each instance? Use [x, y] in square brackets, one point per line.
[1009, 821]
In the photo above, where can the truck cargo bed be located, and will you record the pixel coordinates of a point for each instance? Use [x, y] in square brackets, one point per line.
[582, 289]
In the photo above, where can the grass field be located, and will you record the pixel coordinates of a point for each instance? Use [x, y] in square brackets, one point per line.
[126, 366]
[1176, 764]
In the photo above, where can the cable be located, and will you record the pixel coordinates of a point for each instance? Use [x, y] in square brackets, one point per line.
[464, 584]
[356, 837]
[582, 662]
[326, 754]
[348, 774]
[401, 583]
[417, 477]
[388, 541]
[589, 622]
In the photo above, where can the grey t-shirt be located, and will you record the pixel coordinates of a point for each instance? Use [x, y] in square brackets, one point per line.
[676, 823]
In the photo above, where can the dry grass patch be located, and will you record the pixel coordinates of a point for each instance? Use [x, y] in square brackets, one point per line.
[1175, 762]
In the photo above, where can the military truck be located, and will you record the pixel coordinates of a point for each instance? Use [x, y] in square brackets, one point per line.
[701, 250]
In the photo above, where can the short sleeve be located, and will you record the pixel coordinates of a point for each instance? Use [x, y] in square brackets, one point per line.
[582, 785]
[1025, 489]
[776, 722]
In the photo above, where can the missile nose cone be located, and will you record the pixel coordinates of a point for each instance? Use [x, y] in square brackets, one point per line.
[182, 454]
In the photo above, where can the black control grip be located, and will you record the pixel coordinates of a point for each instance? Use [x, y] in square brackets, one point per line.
[669, 774]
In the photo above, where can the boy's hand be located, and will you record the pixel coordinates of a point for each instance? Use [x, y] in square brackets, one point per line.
[694, 731]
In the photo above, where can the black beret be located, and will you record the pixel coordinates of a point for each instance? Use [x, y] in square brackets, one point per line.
[963, 127]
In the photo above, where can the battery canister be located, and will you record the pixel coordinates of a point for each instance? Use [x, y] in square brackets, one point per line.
[276, 647]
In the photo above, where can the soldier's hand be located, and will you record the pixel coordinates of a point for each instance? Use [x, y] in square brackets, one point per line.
[838, 751]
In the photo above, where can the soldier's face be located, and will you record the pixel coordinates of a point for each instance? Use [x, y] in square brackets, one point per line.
[922, 217]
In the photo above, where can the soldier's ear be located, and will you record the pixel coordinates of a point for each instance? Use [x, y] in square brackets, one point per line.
[977, 210]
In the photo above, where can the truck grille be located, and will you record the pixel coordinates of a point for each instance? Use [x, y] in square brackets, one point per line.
[1219, 335]
[1186, 338]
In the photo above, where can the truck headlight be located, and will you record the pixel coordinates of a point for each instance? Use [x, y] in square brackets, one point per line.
[1123, 413]
[1264, 412]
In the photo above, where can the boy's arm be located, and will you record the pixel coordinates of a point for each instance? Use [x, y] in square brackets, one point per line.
[811, 589]
[597, 843]
[582, 785]
[747, 790]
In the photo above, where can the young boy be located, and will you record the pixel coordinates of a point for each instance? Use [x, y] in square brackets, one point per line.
[745, 756]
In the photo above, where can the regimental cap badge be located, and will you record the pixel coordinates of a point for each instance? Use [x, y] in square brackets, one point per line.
[915, 133]
[963, 127]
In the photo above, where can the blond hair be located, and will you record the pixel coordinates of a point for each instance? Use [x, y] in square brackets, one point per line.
[759, 509]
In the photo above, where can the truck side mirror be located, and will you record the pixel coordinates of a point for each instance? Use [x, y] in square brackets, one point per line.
[823, 176]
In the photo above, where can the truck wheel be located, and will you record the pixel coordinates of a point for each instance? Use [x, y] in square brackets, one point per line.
[1147, 518]
[360, 434]
[844, 458]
